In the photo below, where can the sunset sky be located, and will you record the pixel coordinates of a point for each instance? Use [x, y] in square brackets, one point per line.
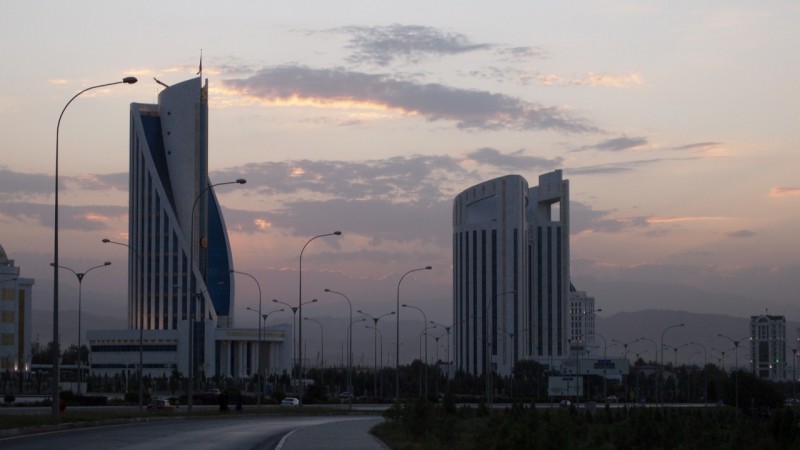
[675, 122]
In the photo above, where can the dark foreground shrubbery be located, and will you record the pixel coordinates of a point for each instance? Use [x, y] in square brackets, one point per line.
[419, 424]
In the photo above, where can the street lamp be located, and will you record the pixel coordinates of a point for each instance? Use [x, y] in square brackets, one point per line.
[487, 358]
[300, 306]
[736, 366]
[349, 349]
[375, 344]
[140, 301]
[661, 368]
[424, 327]
[79, 276]
[56, 342]
[397, 341]
[192, 295]
[258, 358]
[705, 371]
[322, 350]
[376, 358]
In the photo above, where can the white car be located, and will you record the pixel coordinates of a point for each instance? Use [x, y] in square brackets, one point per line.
[290, 401]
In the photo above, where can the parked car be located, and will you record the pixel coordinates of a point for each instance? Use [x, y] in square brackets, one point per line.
[565, 403]
[791, 402]
[290, 401]
[612, 399]
[160, 404]
[345, 395]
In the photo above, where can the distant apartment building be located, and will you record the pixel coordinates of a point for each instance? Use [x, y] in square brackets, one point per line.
[581, 321]
[511, 273]
[768, 347]
[15, 316]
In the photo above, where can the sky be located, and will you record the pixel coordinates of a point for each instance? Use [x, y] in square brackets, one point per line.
[675, 123]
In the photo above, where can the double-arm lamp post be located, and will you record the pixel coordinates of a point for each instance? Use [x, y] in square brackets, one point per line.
[56, 342]
[79, 276]
[375, 344]
[735, 367]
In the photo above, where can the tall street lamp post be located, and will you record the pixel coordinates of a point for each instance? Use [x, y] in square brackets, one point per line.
[661, 369]
[56, 342]
[321, 351]
[300, 306]
[736, 367]
[447, 356]
[378, 367]
[375, 344]
[349, 349]
[424, 327]
[294, 339]
[137, 298]
[258, 352]
[79, 276]
[397, 341]
[486, 345]
[194, 295]
[705, 371]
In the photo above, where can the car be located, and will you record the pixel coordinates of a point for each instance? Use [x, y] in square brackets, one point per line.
[791, 402]
[160, 404]
[290, 401]
[565, 403]
[345, 395]
[612, 399]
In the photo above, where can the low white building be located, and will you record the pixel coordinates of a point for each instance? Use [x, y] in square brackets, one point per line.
[230, 352]
[15, 316]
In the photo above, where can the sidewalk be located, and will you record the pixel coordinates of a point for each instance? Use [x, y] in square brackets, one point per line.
[348, 434]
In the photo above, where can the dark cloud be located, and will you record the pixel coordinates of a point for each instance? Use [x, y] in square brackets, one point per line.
[523, 52]
[699, 146]
[383, 45]
[470, 109]
[740, 234]
[618, 144]
[514, 160]
[82, 218]
[20, 186]
[393, 180]
[584, 218]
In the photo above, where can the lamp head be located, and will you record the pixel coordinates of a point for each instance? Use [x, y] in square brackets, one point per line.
[129, 80]
[327, 290]
[337, 233]
[313, 300]
[106, 240]
[428, 267]
[241, 181]
[275, 300]
[107, 263]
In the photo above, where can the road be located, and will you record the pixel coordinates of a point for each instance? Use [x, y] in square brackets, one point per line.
[256, 432]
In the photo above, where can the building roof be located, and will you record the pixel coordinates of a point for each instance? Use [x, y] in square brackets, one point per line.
[3, 256]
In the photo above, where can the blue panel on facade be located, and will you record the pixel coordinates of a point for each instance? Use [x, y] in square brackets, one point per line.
[219, 265]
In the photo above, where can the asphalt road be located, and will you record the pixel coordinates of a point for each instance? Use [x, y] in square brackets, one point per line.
[257, 432]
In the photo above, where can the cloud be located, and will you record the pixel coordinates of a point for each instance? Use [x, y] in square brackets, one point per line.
[512, 161]
[470, 109]
[20, 186]
[523, 52]
[784, 191]
[699, 146]
[80, 218]
[618, 81]
[383, 45]
[585, 219]
[619, 144]
[740, 234]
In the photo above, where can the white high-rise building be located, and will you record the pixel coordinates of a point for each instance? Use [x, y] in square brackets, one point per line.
[15, 316]
[768, 347]
[510, 273]
[180, 259]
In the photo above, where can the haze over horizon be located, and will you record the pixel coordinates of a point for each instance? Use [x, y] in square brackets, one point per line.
[674, 122]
